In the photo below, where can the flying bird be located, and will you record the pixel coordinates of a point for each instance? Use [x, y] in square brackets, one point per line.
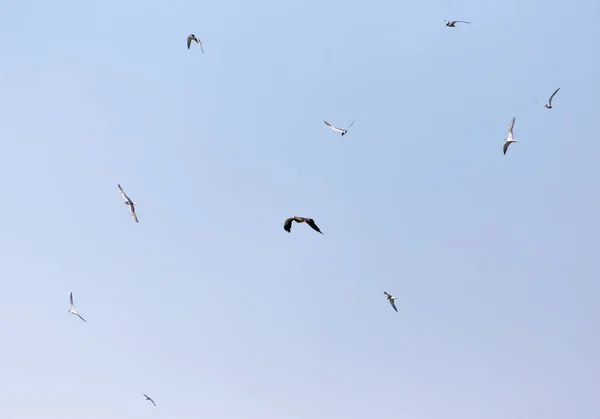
[336, 129]
[148, 398]
[191, 37]
[510, 138]
[287, 226]
[452, 23]
[549, 104]
[73, 311]
[391, 300]
[129, 202]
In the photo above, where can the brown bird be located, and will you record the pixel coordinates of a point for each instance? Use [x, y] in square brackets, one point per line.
[287, 226]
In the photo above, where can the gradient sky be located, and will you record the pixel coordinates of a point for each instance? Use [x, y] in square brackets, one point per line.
[208, 305]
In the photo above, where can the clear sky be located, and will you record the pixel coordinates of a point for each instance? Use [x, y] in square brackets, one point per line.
[208, 305]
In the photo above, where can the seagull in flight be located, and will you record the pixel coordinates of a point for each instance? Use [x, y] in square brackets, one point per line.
[129, 202]
[191, 37]
[549, 104]
[391, 300]
[336, 129]
[148, 398]
[452, 23]
[510, 138]
[73, 311]
[287, 226]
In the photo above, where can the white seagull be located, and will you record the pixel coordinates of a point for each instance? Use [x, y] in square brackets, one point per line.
[549, 104]
[73, 311]
[191, 37]
[511, 138]
[343, 131]
[391, 300]
[148, 398]
[452, 23]
[129, 202]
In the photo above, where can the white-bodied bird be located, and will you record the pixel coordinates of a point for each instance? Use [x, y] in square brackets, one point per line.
[549, 104]
[336, 129]
[129, 202]
[191, 37]
[511, 138]
[73, 311]
[148, 398]
[391, 300]
[452, 23]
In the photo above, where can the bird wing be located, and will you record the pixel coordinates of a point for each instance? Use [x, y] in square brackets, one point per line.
[152, 401]
[333, 127]
[393, 305]
[287, 226]
[71, 300]
[461, 21]
[79, 315]
[189, 41]
[550, 100]
[351, 124]
[510, 129]
[123, 194]
[200, 43]
[506, 144]
[133, 214]
[311, 223]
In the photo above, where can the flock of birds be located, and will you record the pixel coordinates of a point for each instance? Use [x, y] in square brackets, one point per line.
[287, 225]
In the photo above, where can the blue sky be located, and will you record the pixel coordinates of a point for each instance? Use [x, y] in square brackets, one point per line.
[208, 305]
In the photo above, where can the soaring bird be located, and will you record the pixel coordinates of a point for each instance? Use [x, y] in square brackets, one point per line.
[391, 300]
[287, 226]
[549, 104]
[73, 311]
[129, 202]
[191, 37]
[452, 23]
[343, 131]
[510, 138]
[148, 398]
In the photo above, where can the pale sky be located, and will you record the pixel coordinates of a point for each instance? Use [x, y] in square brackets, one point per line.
[208, 305]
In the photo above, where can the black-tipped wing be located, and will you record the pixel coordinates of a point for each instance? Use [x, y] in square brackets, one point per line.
[123, 194]
[393, 305]
[200, 43]
[71, 300]
[133, 214]
[550, 100]
[351, 124]
[506, 146]
[311, 223]
[189, 41]
[79, 315]
[333, 127]
[287, 226]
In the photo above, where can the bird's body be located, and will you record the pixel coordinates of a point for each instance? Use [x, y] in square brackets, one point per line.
[510, 139]
[191, 37]
[549, 104]
[129, 202]
[452, 23]
[287, 226]
[391, 299]
[72, 310]
[336, 129]
[148, 398]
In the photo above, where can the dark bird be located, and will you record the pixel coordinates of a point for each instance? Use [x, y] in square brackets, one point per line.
[193, 37]
[452, 23]
[336, 129]
[129, 202]
[391, 300]
[549, 104]
[148, 398]
[287, 226]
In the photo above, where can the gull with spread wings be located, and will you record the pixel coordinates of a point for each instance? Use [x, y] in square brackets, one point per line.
[129, 202]
[287, 226]
[391, 299]
[191, 37]
[511, 138]
[336, 129]
[549, 104]
[452, 23]
[148, 398]
[73, 311]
